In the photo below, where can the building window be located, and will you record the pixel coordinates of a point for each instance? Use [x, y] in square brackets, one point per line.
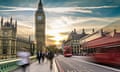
[5, 46]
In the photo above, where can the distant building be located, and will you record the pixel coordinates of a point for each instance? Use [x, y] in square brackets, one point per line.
[91, 37]
[26, 42]
[8, 32]
[10, 43]
[73, 41]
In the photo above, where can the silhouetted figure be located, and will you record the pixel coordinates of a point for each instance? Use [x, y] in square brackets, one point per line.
[39, 56]
[24, 55]
[50, 57]
[43, 57]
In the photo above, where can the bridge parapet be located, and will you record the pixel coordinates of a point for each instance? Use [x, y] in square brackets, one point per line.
[11, 64]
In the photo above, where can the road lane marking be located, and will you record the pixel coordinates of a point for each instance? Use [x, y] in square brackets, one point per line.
[110, 68]
[71, 67]
[59, 66]
[54, 66]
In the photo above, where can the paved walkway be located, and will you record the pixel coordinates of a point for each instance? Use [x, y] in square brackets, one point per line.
[36, 67]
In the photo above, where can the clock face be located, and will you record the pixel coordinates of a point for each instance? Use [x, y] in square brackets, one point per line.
[39, 17]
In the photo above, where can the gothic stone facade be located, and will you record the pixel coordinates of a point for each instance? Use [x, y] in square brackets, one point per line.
[73, 41]
[8, 32]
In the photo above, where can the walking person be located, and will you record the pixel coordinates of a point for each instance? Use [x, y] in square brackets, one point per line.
[39, 56]
[50, 58]
[43, 56]
[24, 55]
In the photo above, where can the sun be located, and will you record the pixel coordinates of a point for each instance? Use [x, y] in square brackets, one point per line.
[57, 42]
[57, 39]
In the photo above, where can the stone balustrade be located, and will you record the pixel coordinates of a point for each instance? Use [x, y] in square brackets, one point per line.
[11, 64]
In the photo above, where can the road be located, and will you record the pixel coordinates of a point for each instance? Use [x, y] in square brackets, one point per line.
[80, 64]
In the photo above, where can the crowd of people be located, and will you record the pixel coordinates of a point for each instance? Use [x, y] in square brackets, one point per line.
[42, 55]
[24, 55]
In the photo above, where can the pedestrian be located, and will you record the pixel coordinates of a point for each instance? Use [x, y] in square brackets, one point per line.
[43, 56]
[24, 55]
[39, 56]
[50, 58]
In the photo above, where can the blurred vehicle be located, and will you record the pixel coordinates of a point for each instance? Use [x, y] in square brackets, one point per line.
[110, 55]
[105, 49]
[67, 51]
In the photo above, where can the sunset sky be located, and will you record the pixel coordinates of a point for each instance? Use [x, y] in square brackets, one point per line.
[62, 16]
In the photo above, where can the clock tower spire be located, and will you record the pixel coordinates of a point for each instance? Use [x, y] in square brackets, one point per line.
[40, 27]
[40, 5]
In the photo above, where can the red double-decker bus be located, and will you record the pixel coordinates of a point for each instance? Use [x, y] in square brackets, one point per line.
[105, 49]
[67, 51]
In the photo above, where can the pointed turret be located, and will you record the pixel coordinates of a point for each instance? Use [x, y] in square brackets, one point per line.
[40, 5]
[11, 20]
[16, 25]
[1, 21]
[93, 30]
[29, 38]
[74, 30]
[101, 31]
[83, 31]
[115, 31]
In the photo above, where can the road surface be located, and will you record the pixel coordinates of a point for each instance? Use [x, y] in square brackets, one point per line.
[80, 64]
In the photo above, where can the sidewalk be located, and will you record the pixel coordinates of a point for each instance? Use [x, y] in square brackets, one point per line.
[43, 67]
[36, 67]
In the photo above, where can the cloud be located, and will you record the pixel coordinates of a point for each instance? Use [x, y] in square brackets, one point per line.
[24, 30]
[64, 33]
[112, 26]
[50, 36]
[76, 9]
[59, 10]
[98, 7]
[93, 22]
[55, 9]
[61, 22]
[9, 8]
[50, 42]
[67, 10]
[59, 25]
[65, 24]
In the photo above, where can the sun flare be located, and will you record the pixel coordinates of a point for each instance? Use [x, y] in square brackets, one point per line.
[57, 39]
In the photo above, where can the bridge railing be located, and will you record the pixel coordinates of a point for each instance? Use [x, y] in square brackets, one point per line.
[11, 64]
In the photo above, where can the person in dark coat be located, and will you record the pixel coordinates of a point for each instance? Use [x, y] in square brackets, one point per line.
[43, 57]
[39, 56]
[50, 58]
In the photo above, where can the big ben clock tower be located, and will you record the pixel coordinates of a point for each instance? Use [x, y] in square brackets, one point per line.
[40, 27]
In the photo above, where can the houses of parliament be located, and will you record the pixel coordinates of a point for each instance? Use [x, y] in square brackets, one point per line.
[10, 43]
[8, 32]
